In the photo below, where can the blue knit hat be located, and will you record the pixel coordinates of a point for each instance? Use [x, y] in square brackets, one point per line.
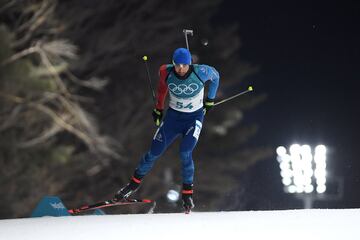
[182, 56]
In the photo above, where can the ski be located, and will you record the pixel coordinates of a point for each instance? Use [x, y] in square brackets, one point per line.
[107, 203]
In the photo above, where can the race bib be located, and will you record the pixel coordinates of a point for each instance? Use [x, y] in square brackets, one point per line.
[187, 104]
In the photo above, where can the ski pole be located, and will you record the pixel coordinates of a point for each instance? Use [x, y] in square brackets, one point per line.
[145, 58]
[250, 88]
[186, 32]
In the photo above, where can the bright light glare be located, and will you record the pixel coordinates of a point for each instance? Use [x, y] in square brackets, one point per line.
[286, 173]
[301, 169]
[286, 181]
[319, 158]
[321, 181]
[284, 166]
[321, 188]
[320, 173]
[172, 195]
[308, 172]
[320, 149]
[309, 188]
[281, 151]
[295, 149]
[306, 149]
[291, 189]
[299, 189]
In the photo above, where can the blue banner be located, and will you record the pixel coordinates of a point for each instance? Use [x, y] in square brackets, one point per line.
[50, 206]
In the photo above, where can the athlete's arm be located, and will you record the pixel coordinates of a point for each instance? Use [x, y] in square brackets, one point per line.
[162, 89]
[208, 73]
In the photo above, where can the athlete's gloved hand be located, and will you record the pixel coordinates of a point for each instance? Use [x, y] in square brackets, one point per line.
[208, 105]
[157, 116]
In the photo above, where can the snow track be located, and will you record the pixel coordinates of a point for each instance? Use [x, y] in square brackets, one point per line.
[312, 224]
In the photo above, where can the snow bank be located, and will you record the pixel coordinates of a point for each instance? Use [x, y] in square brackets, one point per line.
[312, 224]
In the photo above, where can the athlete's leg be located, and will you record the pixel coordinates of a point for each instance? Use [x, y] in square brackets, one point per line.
[164, 136]
[190, 137]
[187, 146]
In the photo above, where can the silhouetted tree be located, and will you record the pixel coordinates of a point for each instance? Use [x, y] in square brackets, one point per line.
[40, 109]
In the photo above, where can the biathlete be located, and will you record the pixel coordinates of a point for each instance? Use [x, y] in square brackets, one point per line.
[184, 117]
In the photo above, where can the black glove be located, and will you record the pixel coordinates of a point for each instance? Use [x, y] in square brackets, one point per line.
[187, 194]
[208, 105]
[157, 116]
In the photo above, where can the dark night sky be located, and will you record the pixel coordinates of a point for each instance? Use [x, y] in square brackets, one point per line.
[308, 55]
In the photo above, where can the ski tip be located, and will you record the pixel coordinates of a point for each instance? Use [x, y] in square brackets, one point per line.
[74, 211]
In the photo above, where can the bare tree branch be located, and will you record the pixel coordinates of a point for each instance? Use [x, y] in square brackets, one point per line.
[35, 15]
[93, 83]
[8, 5]
[40, 16]
[11, 119]
[42, 138]
[60, 48]
[19, 55]
[45, 60]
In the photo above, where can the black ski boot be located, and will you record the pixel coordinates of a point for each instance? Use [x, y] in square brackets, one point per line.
[128, 190]
[187, 194]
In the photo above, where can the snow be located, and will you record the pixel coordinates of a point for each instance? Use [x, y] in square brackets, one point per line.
[311, 224]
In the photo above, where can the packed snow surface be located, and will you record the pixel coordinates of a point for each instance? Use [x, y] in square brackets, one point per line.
[314, 224]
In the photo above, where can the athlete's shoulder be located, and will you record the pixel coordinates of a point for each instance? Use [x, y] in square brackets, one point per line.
[202, 67]
[165, 68]
[203, 70]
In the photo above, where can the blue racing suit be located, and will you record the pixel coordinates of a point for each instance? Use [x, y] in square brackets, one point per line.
[184, 116]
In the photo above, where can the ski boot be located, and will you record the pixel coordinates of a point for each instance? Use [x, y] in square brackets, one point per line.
[128, 190]
[187, 194]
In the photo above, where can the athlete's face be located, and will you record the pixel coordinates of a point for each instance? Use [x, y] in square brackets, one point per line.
[181, 69]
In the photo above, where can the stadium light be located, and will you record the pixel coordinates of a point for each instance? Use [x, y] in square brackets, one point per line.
[303, 171]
